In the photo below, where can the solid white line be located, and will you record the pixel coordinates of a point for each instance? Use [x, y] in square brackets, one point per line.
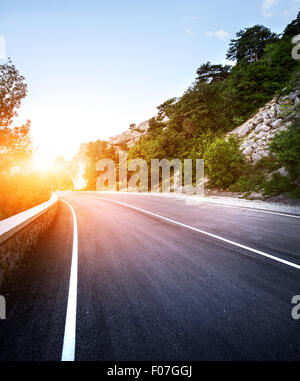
[252, 209]
[68, 352]
[208, 234]
[197, 201]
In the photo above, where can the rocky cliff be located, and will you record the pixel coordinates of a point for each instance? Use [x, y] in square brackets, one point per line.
[130, 136]
[257, 132]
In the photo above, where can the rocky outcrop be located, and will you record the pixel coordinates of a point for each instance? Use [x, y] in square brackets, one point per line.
[256, 134]
[129, 137]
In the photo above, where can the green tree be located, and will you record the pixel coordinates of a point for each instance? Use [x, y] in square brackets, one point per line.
[154, 124]
[96, 151]
[61, 174]
[132, 126]
[293, 28]
[20, 187]
[211, 73]
[15, 142]
[250, 44]
[12, 90]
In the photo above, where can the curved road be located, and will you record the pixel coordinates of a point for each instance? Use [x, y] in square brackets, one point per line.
[181, 282]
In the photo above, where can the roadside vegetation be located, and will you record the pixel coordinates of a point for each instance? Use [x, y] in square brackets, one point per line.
[221, 98]
[20, 186]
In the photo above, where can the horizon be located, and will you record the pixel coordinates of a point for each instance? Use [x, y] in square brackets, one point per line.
[117, 76]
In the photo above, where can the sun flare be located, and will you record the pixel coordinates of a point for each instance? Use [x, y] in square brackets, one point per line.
[42, 161]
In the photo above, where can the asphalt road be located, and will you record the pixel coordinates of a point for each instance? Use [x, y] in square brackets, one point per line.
[150, 289]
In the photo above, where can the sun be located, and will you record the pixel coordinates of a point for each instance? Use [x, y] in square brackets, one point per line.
[42, 161]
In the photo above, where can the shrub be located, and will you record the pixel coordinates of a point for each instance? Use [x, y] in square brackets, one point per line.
[277, 185]
[254, 179]
[19, 193]
[224, 162]
[286, 146]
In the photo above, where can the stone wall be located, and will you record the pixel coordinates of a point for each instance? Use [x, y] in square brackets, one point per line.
[13, 249]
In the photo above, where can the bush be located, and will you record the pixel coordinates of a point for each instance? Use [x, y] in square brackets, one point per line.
[224, 162]
[19, 192]
[254, 179]
[277, 185]
[286, 146]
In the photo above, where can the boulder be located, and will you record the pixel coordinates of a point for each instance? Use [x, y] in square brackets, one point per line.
[272, 113]
[256, 157]
[261, 134]
[293, 95]
[248, 151]
[243, 130]
[282, 171]
[263, 153]
[268, 122]
[277, 123]
[259, 119]
[278, 109]
[257, 128]
[265, 127]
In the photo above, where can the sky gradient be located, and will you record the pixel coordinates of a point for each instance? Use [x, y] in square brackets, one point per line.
[94, 67]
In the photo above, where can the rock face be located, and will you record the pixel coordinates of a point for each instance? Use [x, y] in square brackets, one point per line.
[130, 136]
[256, 134]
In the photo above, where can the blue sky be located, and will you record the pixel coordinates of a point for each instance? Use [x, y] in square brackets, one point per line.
[94, 67]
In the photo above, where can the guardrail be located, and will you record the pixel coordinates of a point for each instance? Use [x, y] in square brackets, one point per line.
[20, 232]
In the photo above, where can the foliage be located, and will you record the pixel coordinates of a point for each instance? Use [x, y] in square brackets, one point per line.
[20, 187]
[250, 44]
[252, 85]
[224, 162]
[254, 178]
[20, 192]
[285, 152]
[12, 91]
[220, 98]
[286, 146]
[60, 175]
[15, 148]
[279, 184]
[293, 28]
[212, 73]
[96, 151]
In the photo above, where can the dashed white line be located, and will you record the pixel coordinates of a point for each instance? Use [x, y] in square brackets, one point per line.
[68, 352]
[208, 234]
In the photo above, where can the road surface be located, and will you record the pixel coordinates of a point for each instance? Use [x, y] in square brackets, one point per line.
[150, 287]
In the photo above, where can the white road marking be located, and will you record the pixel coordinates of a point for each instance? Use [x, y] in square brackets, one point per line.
[208, 234]
[68, 352]
[196, 200]
[252, 209]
